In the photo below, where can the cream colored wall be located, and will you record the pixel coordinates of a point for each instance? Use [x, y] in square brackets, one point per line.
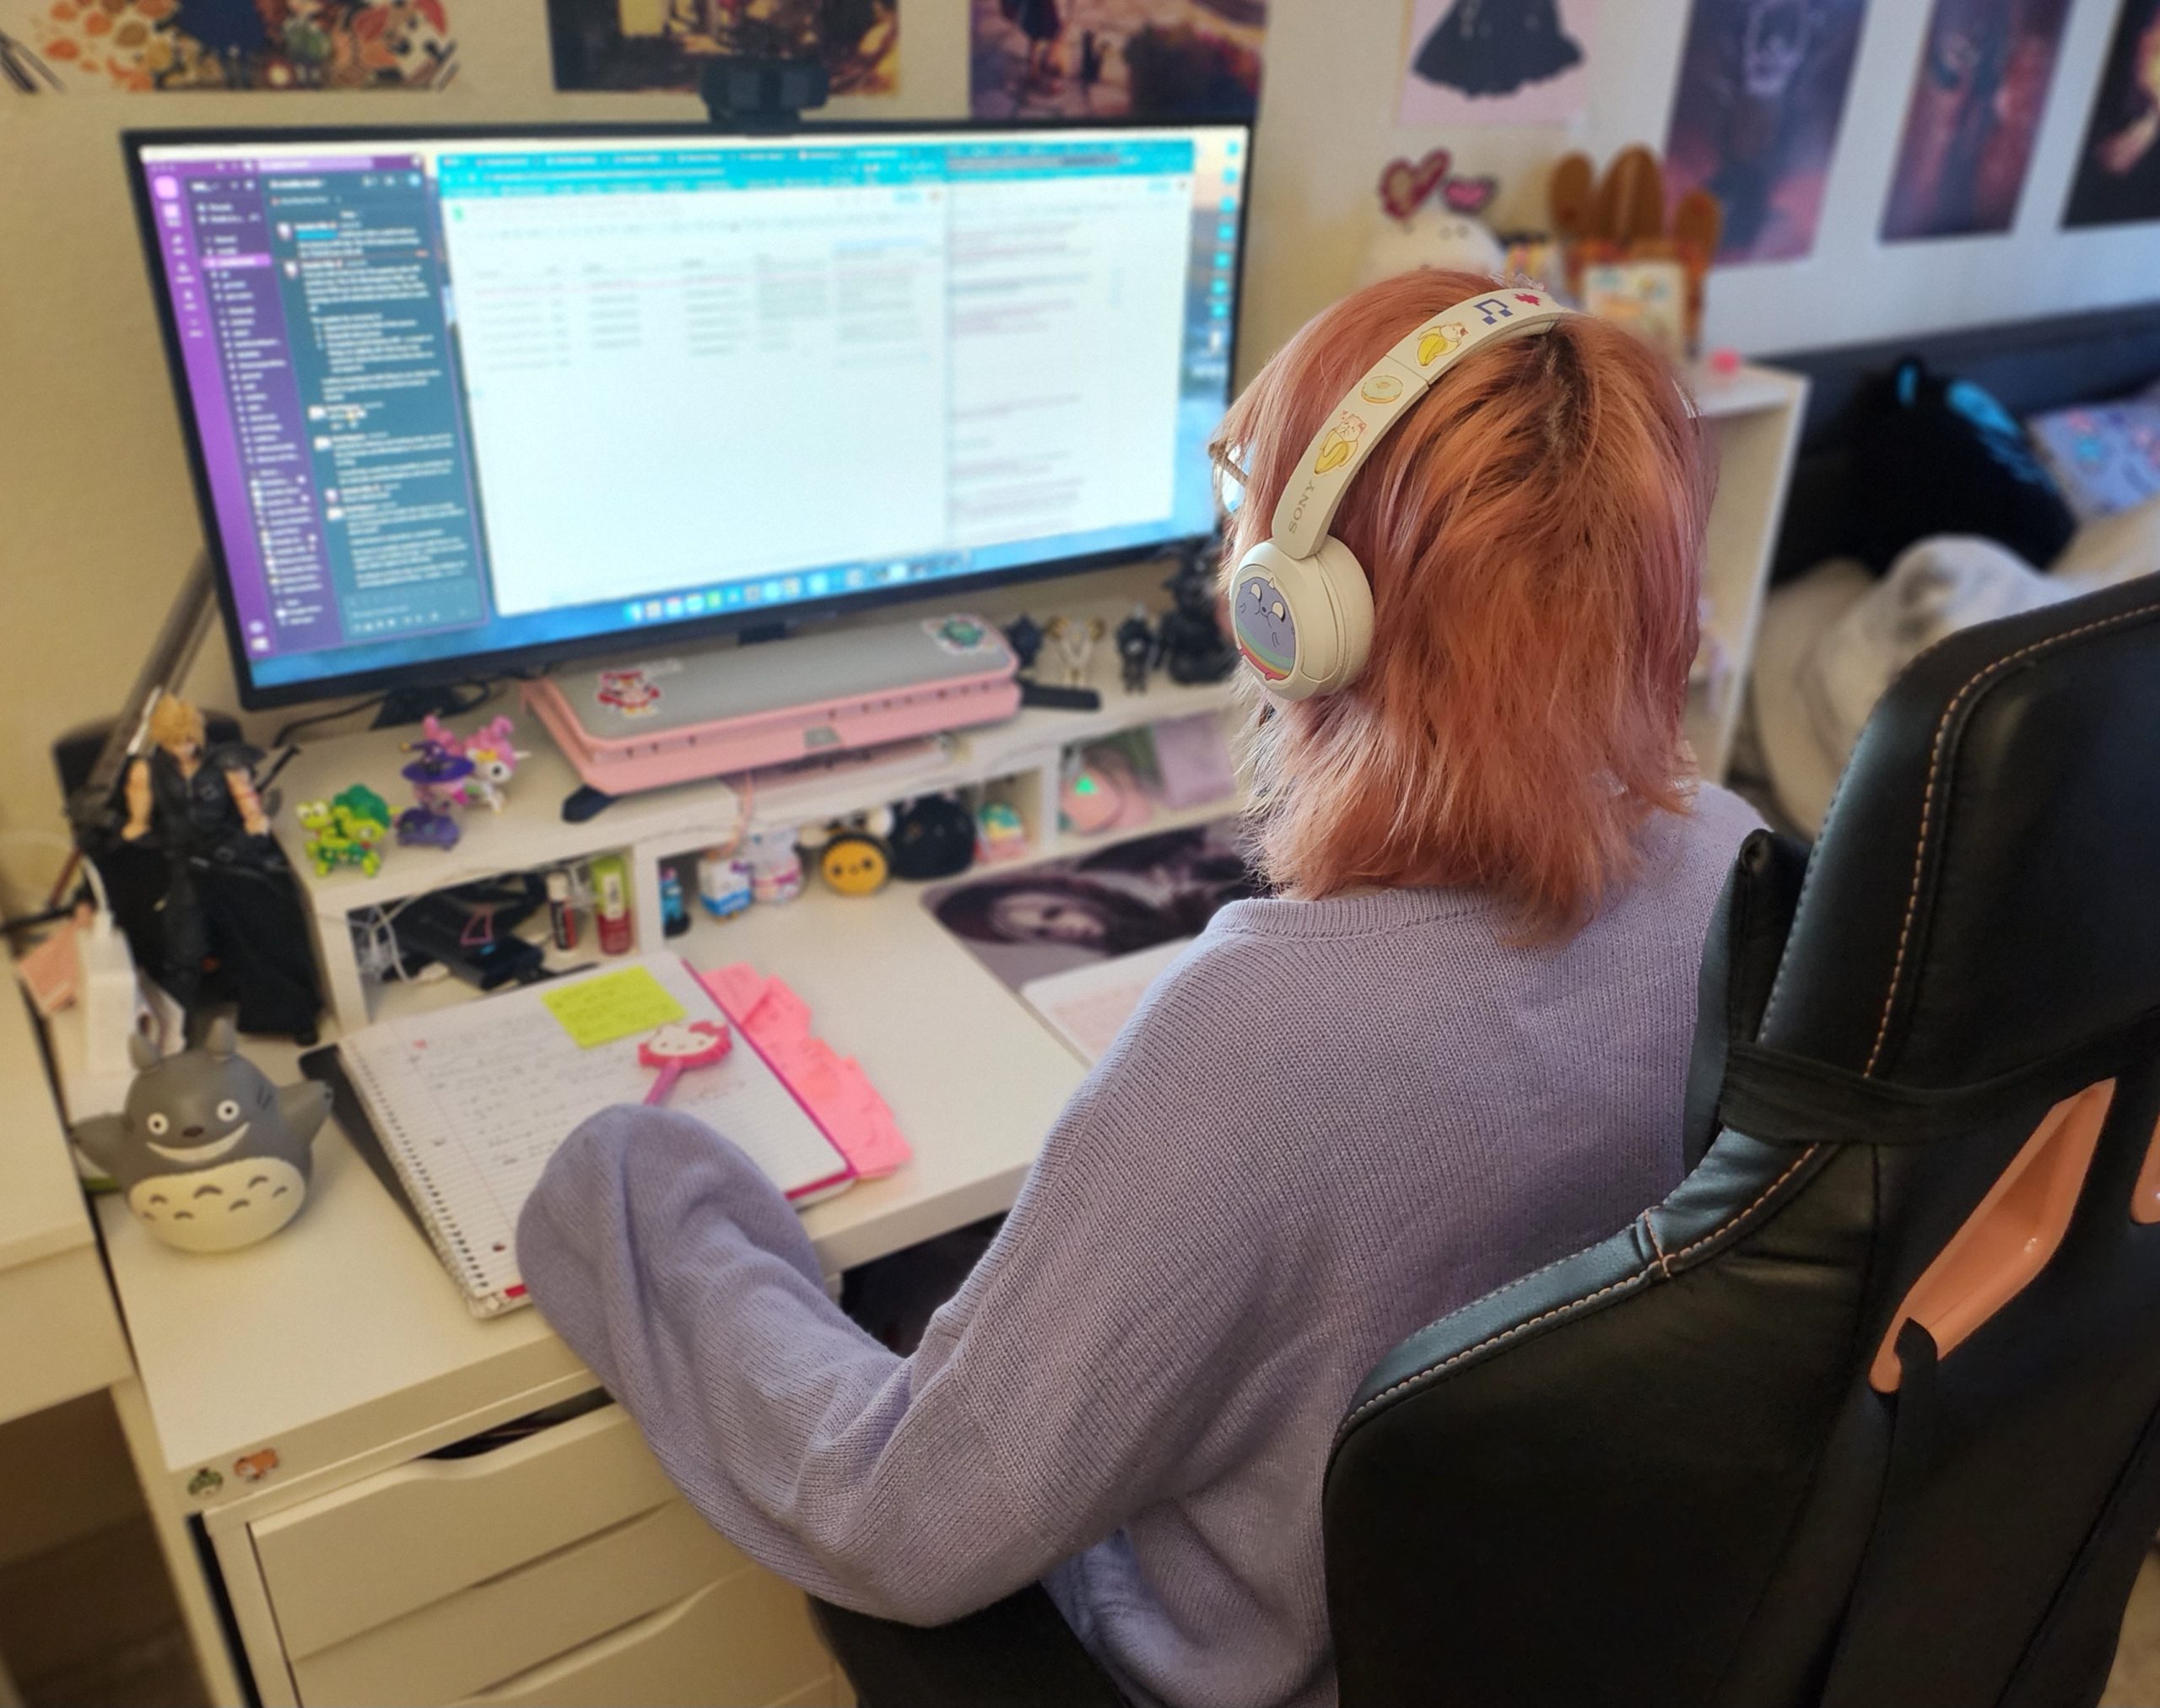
[97, 521]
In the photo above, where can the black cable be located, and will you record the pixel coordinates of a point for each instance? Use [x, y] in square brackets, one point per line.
[285, 734]
[482, 692]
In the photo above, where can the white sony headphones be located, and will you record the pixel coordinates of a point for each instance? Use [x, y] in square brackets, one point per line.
[1301, 609]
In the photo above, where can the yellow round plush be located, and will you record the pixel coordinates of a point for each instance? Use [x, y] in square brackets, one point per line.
[854, 864]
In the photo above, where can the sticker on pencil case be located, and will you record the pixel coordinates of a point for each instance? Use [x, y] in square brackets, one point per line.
[963, 637]
[630, 692]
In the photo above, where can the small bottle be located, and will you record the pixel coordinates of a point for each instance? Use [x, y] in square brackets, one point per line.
[611, 904]
[674, 916]
[562, 913]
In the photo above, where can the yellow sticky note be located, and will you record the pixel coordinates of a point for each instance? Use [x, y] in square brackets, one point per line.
[608, 1006]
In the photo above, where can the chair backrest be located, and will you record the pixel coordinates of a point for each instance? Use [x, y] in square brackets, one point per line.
[1866, 1414]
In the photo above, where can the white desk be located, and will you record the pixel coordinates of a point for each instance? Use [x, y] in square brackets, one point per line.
[342, 1349]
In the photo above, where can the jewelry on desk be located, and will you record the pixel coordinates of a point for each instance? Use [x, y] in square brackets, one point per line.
[1076, 644]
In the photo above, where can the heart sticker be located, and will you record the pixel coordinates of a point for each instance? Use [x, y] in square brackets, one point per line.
[1404, 187]
[1470, 196]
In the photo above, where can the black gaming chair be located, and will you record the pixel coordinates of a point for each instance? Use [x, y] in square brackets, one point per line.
[1866, 1414]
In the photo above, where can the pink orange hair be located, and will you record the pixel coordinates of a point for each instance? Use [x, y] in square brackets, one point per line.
[1533, 531]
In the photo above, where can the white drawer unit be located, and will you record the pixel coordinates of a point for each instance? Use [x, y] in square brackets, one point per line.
[559, 1567]
[743, 1641]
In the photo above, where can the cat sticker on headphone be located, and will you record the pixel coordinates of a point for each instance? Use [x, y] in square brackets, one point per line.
[1339, 441]
[1440, 341]
[1266, 632]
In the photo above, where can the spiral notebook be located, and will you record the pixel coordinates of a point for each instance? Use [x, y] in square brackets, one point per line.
[470, 1103]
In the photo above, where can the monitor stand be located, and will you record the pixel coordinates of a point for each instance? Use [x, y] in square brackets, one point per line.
[402, 705]
[636, 723]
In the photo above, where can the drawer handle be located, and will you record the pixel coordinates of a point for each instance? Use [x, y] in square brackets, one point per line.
[602, 1648]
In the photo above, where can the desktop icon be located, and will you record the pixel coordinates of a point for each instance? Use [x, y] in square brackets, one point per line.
[634, 612]
[695, 604]
[753, 594]
[652, 610]
[674, 606]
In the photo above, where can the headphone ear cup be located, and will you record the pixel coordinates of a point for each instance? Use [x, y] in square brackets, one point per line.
[1284, 621]
[1349, 590]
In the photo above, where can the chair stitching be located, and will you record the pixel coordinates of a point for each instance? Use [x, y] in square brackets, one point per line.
[1505, 1334]
[1927, 796]
[1622, 1284]
[1649, 1230]
[1798, 1163]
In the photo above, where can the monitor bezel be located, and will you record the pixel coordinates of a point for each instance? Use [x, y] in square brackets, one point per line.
[533, 658]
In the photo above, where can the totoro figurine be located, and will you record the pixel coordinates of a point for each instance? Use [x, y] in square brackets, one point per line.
[211, 1154]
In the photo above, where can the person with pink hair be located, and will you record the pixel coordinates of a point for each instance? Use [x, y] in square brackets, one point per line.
[1449, 1048]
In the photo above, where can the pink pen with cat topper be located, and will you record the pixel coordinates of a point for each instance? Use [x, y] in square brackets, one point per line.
[675, 1049]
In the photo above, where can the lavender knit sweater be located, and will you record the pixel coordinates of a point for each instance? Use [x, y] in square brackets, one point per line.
[1329, 1123]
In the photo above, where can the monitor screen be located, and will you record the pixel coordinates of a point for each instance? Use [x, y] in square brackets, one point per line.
[464, 401]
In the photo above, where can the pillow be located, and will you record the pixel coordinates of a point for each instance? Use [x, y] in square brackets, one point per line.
[1940, 456]
[2104, 456]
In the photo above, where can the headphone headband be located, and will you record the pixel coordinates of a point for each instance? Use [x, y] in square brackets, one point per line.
[1398, 379]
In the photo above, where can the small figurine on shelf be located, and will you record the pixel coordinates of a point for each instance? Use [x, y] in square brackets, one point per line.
[855, 859]
[345, 830]
[674, 912]
[775, 868]
[1135, 649]
[494, 758]
[211, 1155]
[1076, 641]
[1001, 835]
[1025, 636]
[724, 883]
[1190, 641]
[438, 776]
[230, 924]
[932, 837]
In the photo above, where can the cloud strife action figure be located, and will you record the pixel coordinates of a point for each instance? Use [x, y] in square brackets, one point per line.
[230, 927]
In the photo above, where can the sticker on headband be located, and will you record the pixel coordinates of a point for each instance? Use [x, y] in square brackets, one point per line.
[1266, 632]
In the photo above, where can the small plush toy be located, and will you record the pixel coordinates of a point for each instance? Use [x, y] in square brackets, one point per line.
[855, 859]
[1432, 221]
[932, 837]
[211, 1155]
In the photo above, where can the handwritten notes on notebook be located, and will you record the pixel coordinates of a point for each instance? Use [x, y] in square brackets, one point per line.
[604, 1006]
[471, 1102]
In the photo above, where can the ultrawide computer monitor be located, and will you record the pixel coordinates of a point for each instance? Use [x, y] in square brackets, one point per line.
[462, 401]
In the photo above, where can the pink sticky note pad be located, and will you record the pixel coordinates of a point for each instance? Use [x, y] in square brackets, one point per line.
[832, 1087]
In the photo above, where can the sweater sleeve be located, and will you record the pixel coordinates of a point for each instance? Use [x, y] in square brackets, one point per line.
[1061, 1391]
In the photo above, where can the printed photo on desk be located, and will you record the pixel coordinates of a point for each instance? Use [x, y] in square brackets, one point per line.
[666, 44]
[1081, 939]
[143, 47]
